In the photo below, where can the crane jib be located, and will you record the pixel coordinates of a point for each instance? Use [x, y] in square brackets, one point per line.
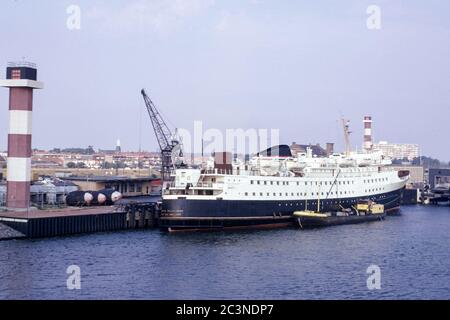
[167, 144]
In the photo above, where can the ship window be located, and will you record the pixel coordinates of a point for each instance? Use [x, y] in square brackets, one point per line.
[246, 193]
[261, 194]
[281, 194]
[292, 194]
[15, 74]
[268, 194]
[258, 181]
[254, 194]
[287, 194]
[306, 183]
[278, 183]
[251, 181]
[271, 182]
[298, 183]
[265, 182]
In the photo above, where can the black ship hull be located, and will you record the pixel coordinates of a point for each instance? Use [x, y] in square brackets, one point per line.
[188, 214]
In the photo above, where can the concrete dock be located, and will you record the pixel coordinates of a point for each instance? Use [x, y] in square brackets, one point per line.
[69, 221]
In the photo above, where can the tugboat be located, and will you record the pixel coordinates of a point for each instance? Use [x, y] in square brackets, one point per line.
[365, 210]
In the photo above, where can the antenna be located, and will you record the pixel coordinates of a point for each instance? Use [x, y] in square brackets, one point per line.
[140, 142]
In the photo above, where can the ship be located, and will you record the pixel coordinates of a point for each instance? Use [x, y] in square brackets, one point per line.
[266, 190]
[364, 211]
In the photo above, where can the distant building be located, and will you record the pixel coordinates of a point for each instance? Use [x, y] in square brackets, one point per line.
[108, 152]
[2, 162]
[397, 150]
[44, 159]
[317, 150]
[416, 174]
[330, 148]
[118, 147]
[194, 159]
[439, 178]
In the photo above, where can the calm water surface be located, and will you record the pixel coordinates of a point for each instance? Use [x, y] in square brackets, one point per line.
[412, 250]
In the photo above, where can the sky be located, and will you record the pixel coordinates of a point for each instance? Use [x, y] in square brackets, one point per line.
[297, 66]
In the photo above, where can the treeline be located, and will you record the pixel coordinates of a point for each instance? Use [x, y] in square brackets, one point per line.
[105, 165]
[424, 161]
[87, 151]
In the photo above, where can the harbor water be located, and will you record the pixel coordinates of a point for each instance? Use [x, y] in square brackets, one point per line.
[411, 250]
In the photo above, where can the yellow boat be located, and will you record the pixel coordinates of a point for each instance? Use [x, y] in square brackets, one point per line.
[364, 211]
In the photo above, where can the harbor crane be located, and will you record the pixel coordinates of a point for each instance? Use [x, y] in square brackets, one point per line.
[169, 144]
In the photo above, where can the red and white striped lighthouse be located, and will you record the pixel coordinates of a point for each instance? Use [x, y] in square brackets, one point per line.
[21, 79]
[368, 141]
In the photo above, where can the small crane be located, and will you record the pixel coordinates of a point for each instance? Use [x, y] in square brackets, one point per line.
[169, 144]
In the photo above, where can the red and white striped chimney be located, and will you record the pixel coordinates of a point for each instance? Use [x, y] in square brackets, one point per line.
[368, 141]
[21, 80]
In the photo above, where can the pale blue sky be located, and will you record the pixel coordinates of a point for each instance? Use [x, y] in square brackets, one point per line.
[293, 65]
